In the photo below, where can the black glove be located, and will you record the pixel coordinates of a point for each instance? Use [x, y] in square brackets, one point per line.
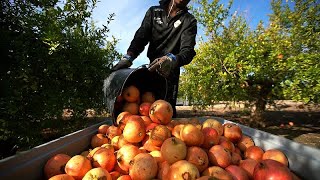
[164, 65]
[125, 62]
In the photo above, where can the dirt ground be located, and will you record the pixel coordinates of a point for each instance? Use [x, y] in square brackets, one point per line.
[294, 121]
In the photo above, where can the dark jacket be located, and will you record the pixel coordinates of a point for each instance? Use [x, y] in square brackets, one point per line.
[175, 35]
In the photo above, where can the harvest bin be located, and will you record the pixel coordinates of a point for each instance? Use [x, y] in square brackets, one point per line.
[140, 77]
[303, 160]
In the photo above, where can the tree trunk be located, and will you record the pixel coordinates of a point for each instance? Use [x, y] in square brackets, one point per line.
[258, 113]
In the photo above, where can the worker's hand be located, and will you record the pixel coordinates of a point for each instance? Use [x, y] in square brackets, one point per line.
[164, 65]
[125, 62]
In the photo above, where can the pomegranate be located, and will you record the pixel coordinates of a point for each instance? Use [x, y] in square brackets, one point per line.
[134, 131]
[143, 166]
[98, 140]
[219, 156]
[163, 170]
[269, 169]
[198, 157]
[78, 166]
[131, 94]
[211, 137]
[237, 172]
[62, 177]
[183, 169]
[226, 143]
[103, 129]
[125, 155]
[159, 134]
[144, 108]
[113, 131]
[277, 155]
[148, 97]
[173, 150]
[254, 152]
[248, 165]
[191, 135]
[161, 112]
[98, 173]
[213, 123]
[104, 158]
[232, 132]
[55, 165]
[217, 173]
[245, 142]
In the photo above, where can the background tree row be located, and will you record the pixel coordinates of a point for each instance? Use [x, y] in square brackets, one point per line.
[237, 62]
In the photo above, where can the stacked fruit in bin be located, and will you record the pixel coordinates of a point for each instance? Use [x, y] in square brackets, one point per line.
[148, 144]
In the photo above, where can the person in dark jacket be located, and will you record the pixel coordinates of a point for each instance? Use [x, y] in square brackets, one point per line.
[171, 32]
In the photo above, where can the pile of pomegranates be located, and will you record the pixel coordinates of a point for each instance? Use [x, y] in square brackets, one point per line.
[148, 144]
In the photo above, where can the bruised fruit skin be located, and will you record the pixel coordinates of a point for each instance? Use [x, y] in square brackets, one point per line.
[198, 157]
[219, 156]
[217, 173]
[159, 134]
[122, 119]
[143, 166]
[161, 112]
[245, 142]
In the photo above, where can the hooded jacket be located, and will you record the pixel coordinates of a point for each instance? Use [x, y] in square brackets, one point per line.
[165, 34]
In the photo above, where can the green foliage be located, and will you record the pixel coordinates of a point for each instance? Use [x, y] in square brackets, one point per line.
[237, 62]
[302, 23]
[53, 57]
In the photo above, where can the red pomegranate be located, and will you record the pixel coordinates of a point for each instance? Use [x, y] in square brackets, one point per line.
[269, 169]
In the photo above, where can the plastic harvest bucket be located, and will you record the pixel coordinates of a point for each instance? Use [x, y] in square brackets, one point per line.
[140, 77]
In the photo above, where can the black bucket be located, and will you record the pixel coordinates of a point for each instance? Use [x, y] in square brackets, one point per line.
[140, 77]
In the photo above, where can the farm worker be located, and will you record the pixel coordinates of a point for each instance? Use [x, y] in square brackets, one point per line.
[171, 32]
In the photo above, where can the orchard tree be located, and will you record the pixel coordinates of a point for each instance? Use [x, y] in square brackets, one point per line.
[52, 57]
[236, 62]
[301, 20]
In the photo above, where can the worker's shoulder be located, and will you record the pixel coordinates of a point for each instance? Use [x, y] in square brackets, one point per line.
[189, 17]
